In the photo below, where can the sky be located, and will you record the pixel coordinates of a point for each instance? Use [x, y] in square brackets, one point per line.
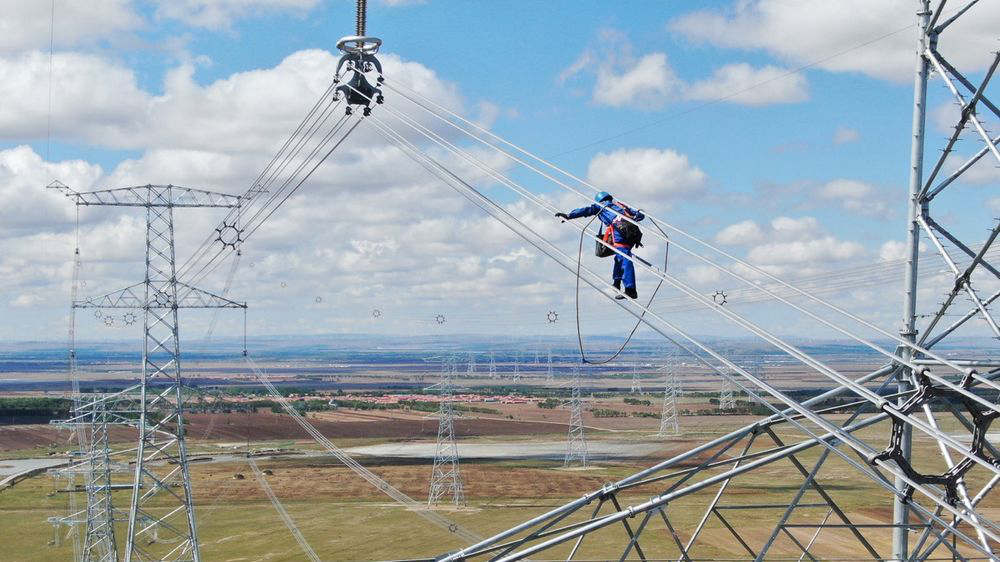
[777, 130]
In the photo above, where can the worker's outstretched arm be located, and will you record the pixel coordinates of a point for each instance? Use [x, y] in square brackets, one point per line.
[588, 211]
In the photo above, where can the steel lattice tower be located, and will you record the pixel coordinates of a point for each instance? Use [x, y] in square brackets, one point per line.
[161, 518]
[576, 442]
[669, 418]
[549, 375]
[493, 366]
[727, 394]
[445, 477]
[636, 387]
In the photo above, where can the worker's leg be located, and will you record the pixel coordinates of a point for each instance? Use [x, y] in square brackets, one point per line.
[628, 273]
[627, 268]
[616, 271]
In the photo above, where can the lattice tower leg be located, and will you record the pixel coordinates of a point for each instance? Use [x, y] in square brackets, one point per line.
[900, 549]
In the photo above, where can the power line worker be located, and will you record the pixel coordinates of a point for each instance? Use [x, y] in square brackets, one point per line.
[617, 232]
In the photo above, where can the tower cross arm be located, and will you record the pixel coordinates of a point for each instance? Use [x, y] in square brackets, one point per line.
[133, 296]
[150, 195]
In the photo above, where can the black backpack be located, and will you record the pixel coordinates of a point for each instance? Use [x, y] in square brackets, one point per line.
[630, 232]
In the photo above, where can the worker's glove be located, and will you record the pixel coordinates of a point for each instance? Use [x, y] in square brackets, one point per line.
[562, 216]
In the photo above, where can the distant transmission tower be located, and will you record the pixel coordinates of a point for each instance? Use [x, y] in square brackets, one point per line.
[727, 394]
[756, 366]
[445, 477]
[470, 371]
[493, 366]
[669, 418]
[161, 517]
[576, 443]
[549, 375]
[516, 376]
[636, 384]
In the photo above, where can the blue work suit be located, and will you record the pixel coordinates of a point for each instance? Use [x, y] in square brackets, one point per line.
[623, 269]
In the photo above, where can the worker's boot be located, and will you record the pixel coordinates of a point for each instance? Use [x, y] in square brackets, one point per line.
[618, 287]
[632, 292]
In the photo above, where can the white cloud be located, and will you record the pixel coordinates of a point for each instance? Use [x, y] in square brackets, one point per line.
[857, 197]
[649, 175]
[745, 233]
[93, 98]
[786, 241]
[994, 204]
[649, 83]
[826, 248]
[807, 31]
[219, 14]
[702, 274]
[892, 250]
[585, 60]
[844, 135]
[845, 189]
[99, 102]
[743, 84]
[787, 229]
[26, 24]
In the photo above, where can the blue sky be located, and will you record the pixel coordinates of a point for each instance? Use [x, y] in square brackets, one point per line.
[806, 169]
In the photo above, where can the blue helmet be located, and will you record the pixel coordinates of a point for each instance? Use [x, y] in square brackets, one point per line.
[602, 196]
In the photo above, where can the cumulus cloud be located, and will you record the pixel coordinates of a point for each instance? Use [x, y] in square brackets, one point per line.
[825, 248]
[743, 233]
[94, 98]
[812, 30]
[856, 196]
[649, 81]
[218, 14]
[646, 174]
[788, 241]
[26, 25]
[743, 84]
[892, 250]
[99, 102]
